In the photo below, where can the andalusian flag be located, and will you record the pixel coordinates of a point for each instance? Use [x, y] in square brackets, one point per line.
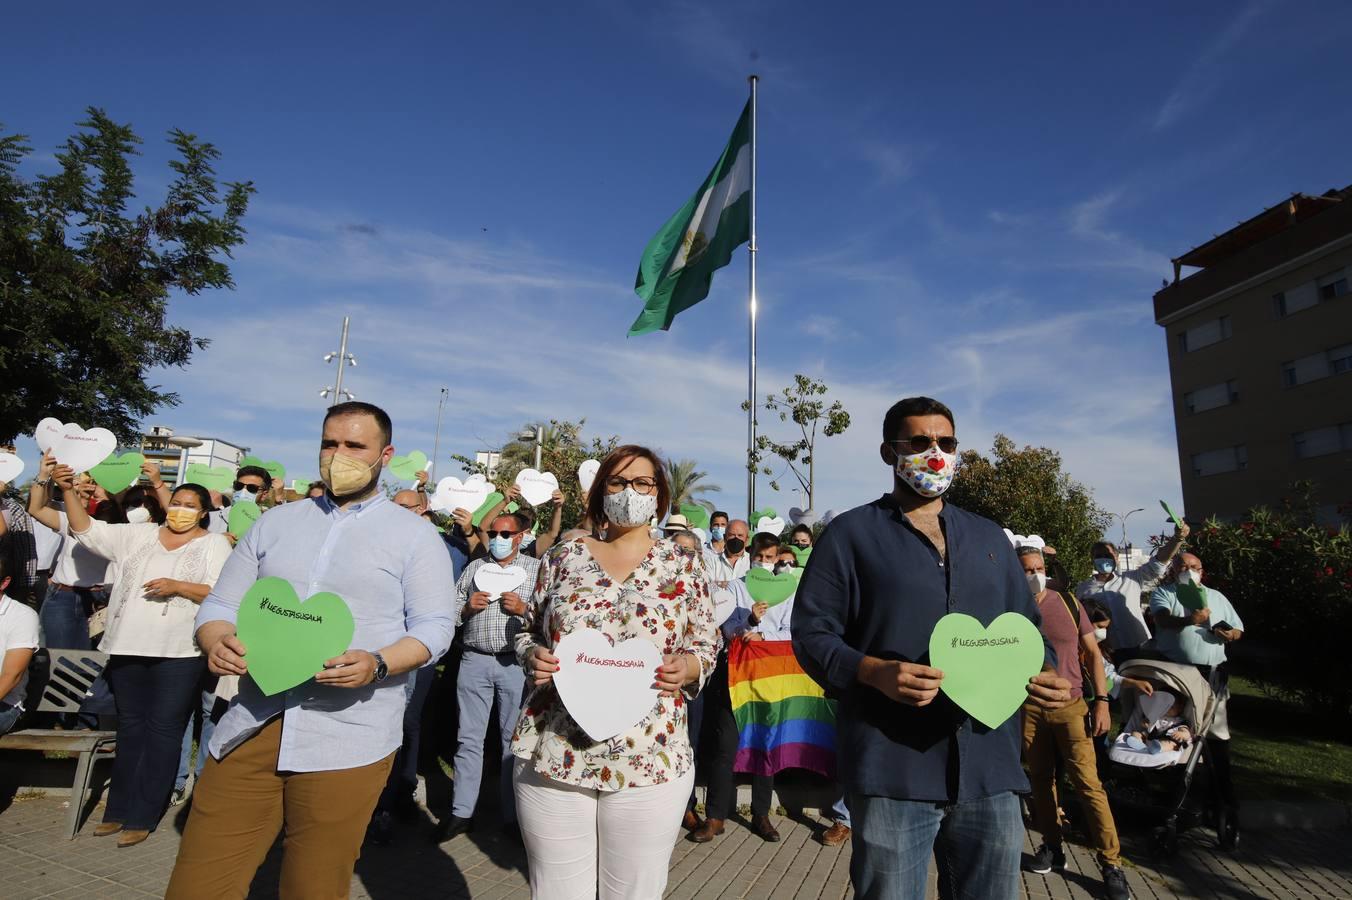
[680, 260]
[784, 720]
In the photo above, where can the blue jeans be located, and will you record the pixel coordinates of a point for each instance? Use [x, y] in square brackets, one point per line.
[840, 812]
[208, 726]
[155, 697]
[484, 679]
[65, 621]
[976, 846]
[9, 715]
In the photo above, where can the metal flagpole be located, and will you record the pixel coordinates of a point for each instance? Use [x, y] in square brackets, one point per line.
[751, 373]
[436, 441]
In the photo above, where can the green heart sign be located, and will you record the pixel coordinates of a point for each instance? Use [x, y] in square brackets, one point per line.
[768, 588]
[696, 515]
[301, 486]
[759, 514]
[493, 500]
[214, 478]
[286, 641]
[117, 473]
[1192, 596]
[801, 554]
[272, 467]
[406, 468]
[242, 516]
[986, 670]
[1178, 523]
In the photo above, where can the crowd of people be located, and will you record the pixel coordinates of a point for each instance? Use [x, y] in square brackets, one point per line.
[154, 578]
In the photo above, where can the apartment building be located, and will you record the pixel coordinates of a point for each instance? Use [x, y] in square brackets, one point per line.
[1260, 357]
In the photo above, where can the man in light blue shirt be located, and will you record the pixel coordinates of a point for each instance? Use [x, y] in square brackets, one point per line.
[315, 758]
[1199, 638]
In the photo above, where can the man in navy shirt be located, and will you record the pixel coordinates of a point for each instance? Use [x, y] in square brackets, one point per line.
[920, 775]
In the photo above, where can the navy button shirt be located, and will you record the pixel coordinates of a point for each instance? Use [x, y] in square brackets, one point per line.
[875, 586]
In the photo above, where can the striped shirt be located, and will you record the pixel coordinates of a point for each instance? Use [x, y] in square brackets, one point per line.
[491, 630]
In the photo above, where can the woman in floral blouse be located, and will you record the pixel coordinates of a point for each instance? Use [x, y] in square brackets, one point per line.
[602, 818]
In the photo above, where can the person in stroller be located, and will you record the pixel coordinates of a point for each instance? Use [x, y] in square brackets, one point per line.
[1167, 731]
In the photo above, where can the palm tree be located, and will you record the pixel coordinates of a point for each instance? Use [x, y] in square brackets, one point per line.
[685, 484]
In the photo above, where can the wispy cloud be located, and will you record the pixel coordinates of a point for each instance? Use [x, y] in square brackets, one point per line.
[891, 162]
[1201, 79]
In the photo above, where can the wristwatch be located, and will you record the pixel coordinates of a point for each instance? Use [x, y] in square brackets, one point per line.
[381, 669]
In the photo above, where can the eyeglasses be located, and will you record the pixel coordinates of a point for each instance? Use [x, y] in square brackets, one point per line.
[921, 443]
[641, 484]
[251, 488]
[505, 534]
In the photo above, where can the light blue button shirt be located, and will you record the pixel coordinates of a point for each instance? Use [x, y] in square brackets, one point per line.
[392, 569]
[1193, 644]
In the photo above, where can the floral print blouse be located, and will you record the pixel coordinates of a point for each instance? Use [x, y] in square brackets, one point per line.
[665, 600]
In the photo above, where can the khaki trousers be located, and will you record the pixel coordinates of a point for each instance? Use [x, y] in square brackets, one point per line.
[241, 804]
[1048, 734]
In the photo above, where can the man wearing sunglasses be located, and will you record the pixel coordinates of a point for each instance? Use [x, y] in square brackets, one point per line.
[921, 776]
[489, 622]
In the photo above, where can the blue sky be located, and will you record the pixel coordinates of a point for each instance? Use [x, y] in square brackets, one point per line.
[975, 202]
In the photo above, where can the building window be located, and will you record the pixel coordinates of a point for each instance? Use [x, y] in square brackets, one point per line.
[1204, 335]
[1333, 285]
[1211, 397]
[1294, 299]
[1317, 365]
[1214, 462]
[1323, 441]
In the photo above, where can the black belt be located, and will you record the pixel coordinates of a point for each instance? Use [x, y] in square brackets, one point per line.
[77, 589]
[511, 653]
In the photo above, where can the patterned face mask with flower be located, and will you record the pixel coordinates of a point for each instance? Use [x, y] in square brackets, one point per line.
[929, 474]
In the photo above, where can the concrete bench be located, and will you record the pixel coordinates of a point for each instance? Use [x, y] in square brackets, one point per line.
[57, 682]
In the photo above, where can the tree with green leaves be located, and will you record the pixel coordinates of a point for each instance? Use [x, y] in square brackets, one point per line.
[1026, 491]
[803, 404]
[685, 480]
[562, 451]
[85, 283]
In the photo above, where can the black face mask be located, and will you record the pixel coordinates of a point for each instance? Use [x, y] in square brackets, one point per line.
[734, 545]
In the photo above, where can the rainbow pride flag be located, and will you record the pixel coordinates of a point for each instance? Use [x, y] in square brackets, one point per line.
[783, 716]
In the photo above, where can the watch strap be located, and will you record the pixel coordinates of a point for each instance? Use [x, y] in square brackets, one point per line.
[382, 669]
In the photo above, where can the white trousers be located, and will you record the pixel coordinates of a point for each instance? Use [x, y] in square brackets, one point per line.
[582, 844]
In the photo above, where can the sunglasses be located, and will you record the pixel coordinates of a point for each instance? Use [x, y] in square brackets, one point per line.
[921, 443]
[506, 534]
[251, 488]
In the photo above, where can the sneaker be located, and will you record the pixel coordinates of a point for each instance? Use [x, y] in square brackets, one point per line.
[178, 796]
[1047, 858]
[1115, 883]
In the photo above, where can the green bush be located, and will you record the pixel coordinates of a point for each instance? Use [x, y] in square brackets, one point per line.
[1290, 579]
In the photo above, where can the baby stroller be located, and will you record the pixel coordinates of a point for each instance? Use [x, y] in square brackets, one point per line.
[1160, 780]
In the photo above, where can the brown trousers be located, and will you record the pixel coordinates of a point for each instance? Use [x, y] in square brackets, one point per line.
[241, 804]
[1047, 734]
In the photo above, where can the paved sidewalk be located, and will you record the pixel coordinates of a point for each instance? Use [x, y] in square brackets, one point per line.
[40, 862]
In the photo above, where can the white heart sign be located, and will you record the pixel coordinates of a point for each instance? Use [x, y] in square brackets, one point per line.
[769, 525]
[452, 493]
[606, 689]
[536, 487]
[71, 445]
[11, 467]
[496, 580]
[828, 516]
[802, 516]
[586, 474]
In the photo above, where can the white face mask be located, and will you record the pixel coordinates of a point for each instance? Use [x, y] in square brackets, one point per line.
[138, 516]
[929, 474]
[1037, 582]
[769, 567]
[629, 508]
[1188, 576]
[1100, 634]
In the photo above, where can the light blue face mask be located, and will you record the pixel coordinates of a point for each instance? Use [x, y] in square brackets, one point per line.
[244, 497]
[1104, 566]
[500, 547]
[718, 532]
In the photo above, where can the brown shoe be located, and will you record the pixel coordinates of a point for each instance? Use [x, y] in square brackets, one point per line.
[763, 829]
[103, 829]
[690, 822]
[834, 836]
[711, 829]
[133, 837]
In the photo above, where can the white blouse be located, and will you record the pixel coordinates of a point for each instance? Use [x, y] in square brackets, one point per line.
[143, 626]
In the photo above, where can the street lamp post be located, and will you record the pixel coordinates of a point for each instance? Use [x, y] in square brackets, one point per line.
[345, 359]
[537, 435]
[436, 441]
[1123, 519]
